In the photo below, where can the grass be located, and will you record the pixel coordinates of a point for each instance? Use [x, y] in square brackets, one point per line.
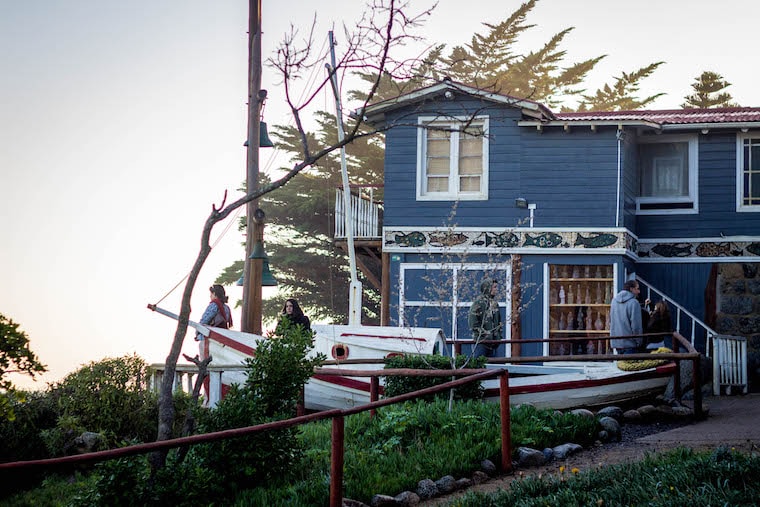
[680, 477]
[404, 444]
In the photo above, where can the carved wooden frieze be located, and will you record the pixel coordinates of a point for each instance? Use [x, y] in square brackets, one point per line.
[506, 240]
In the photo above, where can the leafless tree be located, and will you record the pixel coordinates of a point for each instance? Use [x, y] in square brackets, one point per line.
[386, 27]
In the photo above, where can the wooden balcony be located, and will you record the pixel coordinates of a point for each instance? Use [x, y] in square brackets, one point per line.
[367, 213]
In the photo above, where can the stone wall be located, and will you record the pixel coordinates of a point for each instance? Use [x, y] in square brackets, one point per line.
[738, 310]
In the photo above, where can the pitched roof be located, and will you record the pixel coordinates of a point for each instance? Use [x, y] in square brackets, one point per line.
[670, 116]
[530, 108]
[537, 114]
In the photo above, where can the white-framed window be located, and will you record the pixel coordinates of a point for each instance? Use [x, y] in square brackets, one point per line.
[452, 160]
[440, 295]
[668, 175]
[748, 172]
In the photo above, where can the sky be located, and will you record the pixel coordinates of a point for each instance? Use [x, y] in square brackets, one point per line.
[122, 123]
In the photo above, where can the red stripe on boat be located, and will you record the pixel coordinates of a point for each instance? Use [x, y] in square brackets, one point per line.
[359, 385]
[245, 349]
[660, 371]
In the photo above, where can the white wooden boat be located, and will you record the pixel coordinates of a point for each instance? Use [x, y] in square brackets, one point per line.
[559, 385]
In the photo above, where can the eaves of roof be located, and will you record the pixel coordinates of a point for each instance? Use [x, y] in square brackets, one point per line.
[376, 112]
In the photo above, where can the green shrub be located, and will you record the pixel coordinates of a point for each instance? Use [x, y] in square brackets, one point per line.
[214, 473]
[395, 386]
[20, 439]
[109, 397]
[540, 428]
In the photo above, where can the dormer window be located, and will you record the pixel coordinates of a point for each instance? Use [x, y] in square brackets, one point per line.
[667, 175]
[452, 161]
[748, 172]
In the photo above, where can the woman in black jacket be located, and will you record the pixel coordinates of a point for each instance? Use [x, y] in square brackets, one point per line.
[659, 322]
[292, 312]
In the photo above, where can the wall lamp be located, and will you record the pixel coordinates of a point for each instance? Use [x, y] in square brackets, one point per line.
[523, 203]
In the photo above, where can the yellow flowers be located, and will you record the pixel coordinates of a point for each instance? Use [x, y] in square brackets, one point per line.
[574, 470]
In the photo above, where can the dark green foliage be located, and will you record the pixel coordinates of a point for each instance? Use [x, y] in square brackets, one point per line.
[540, 428]
[15, 354]
[280, 368]
[405, 443]
[680, 477]
[400, 385]
[709, 92]
[20, 439]
[215, 472]
[109, 397]
[620, 96]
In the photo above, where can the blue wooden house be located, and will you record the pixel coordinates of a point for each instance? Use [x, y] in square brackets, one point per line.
[562, 208]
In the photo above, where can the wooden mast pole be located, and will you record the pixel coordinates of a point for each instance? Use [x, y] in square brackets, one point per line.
[251, 317]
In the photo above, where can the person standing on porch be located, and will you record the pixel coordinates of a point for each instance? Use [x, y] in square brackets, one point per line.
[485, 319]
[625, 319]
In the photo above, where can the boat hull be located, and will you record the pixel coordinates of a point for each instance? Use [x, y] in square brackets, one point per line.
[554, 385]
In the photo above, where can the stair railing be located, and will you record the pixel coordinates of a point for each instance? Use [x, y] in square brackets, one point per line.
[728, 353]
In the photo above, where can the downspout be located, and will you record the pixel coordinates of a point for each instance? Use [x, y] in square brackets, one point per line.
[620, 136]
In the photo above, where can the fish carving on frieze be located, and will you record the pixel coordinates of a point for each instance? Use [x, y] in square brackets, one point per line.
[502, 239]
[672, 250]
[753, 248]
[599, 240]
[412, 239]
[543, 240]
[713, 250]
[447, 238]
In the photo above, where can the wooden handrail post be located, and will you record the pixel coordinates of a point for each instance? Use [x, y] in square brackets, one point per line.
[506, 430]
[336, 463]
[374, 389]
[301, 404]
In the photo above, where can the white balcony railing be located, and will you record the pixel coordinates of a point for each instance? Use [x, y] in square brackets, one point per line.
[365, 213]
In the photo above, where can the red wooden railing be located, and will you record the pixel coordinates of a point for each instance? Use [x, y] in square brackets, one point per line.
[337, 416]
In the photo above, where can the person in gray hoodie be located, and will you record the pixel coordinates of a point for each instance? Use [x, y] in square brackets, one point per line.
[485, 318]
[625, 319]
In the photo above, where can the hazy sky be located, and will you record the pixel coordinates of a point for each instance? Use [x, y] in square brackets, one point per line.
[121, 123]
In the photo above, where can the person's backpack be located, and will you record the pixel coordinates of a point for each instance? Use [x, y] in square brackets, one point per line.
[220, 319]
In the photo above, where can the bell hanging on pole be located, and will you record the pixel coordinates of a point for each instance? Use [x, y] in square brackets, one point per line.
[264, 141]
[267, 279]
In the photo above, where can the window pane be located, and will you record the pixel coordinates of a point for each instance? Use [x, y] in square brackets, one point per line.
[754, 161]
[471, 147]
[438, 166]
[437, 148]
[754, 190]
[469, 184]
[436, 184]
[470, 166]
[664, 169]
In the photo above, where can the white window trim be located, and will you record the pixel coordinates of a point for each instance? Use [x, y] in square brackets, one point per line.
[740, 207]
[693, 169]
[404, 304]
[453, 194]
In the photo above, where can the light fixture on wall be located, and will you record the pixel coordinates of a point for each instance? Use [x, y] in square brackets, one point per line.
[523, 203]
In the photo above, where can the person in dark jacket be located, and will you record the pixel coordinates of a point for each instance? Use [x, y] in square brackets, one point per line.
[485, 319]
[293, 313]
[625, 319]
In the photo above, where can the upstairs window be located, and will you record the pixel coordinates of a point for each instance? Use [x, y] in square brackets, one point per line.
[667, 175]
[452, 159]
[748, 172]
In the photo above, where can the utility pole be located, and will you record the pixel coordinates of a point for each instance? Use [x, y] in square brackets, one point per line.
[251, 317]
